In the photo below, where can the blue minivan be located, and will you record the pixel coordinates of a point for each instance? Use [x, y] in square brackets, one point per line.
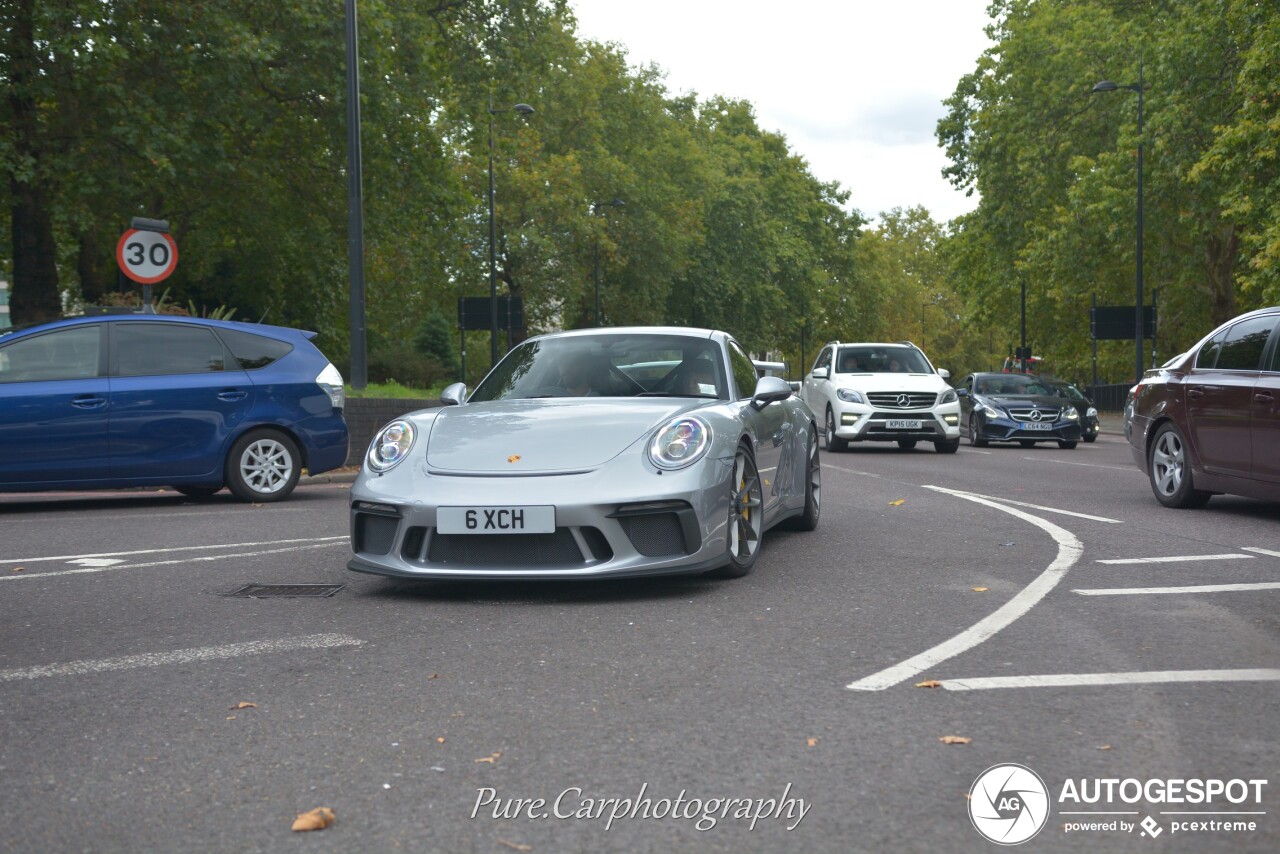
[128, 400]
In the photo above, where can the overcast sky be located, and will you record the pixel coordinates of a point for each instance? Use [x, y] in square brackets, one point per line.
[856, 86]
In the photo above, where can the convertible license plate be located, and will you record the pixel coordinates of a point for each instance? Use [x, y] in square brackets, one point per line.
[496, 520]
[903, 424]
[1037, 425]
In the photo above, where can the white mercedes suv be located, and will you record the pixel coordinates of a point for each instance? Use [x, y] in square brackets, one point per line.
[882, 393]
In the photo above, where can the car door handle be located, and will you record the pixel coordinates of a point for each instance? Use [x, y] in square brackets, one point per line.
[1262, 397]
[88, 401]
[232, 394]
[1194, 392]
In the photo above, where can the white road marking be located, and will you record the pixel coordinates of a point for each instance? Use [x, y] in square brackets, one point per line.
[1071, 680]
[97, 561]
[1200, 588]
[1069, 550]
[61, 572]
[69, 558]
[1061, 512]
[1175, 559]
[1086, 465]
[179, 656]
[1267, 552]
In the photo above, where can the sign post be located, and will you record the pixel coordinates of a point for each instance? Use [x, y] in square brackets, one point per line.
[147, 254]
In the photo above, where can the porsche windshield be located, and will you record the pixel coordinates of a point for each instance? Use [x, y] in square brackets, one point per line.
[607, 365]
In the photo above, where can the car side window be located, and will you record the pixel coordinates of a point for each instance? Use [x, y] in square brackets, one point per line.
[823, 360]
[1242, 349]
[253, 351]
[1208, 355]
[148, 349]
[69, 354]
[744, 371]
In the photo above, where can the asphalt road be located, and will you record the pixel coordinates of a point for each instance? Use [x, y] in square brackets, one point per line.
[433, 717]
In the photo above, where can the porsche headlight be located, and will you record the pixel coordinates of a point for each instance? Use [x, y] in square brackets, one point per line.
[848, 395]
[991, 412]
[679, 443]
[391, 445]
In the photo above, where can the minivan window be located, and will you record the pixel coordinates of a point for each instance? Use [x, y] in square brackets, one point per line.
[253, 351]
[147, 349]
[69, 354]
[1242, 350]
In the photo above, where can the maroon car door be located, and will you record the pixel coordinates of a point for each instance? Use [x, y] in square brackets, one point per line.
[1220, 401]
[1266, 419]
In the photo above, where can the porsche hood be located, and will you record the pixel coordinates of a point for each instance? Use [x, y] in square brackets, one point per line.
[519, 437]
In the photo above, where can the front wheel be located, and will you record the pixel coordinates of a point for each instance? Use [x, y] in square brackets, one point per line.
[1027, 443]
[975, 437]
[833, 443]
[906, 444]
[1169, 470]
[1091, 437]
[1066, 445]
[947, 446]
[746, 518]
[263, 466]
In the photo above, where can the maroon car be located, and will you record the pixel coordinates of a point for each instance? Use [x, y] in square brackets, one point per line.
[1208, 422]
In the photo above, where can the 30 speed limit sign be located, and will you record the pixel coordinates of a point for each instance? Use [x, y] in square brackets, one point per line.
[146, 257]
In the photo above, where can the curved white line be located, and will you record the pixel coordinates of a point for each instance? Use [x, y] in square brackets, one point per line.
[1069, 551]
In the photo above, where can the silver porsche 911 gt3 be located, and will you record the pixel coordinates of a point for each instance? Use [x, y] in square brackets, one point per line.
[595, 453]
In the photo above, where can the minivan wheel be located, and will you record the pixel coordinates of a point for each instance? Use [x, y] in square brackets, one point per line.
[263, 466]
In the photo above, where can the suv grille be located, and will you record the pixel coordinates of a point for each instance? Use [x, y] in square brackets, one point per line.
[1035, 413]
[902, 399]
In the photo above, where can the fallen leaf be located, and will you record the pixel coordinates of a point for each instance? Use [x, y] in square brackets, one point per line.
[231, 717]
[19, 568]
[812, 742]
[929, 683]
[954, 739]
[245, 706]
[317, 819]
[980, 589]
[898, 503]
[491, 758]
[1104, 747]
[515, 845]
[440, 739]
[434, 676]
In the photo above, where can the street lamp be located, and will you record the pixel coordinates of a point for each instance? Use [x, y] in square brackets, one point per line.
[1139, 325]
[524, 110]
[595, 209]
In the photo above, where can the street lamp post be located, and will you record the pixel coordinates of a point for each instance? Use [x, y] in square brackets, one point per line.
[524, 110]
[595, 209]
[1139, 324]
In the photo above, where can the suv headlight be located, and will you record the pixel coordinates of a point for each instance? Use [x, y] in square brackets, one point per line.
[391, 445]
[948, 396]
[679, 443]
[848, 395]
[991, 412]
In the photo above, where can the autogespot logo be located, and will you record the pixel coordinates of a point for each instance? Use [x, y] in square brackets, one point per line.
[1008, 804]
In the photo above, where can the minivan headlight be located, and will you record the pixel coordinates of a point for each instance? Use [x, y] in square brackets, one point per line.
[679, 443]
[391, 445]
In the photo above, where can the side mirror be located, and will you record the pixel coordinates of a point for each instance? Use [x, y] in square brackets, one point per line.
[770, 390]
[944, 373]
[962, 392]
[820, 373]
[454, 395]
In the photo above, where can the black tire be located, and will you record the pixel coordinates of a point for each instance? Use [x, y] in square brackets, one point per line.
[1067, 444]
[1169, 470]
[746, 518]
[947, 446]
[834, 443]
[906, 444]
[1091, 438]
[1027, 443]
[263, 466]
[974, 439]
[808, 520]
[197, 492]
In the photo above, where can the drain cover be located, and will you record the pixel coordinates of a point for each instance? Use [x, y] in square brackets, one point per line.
[267, 591]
